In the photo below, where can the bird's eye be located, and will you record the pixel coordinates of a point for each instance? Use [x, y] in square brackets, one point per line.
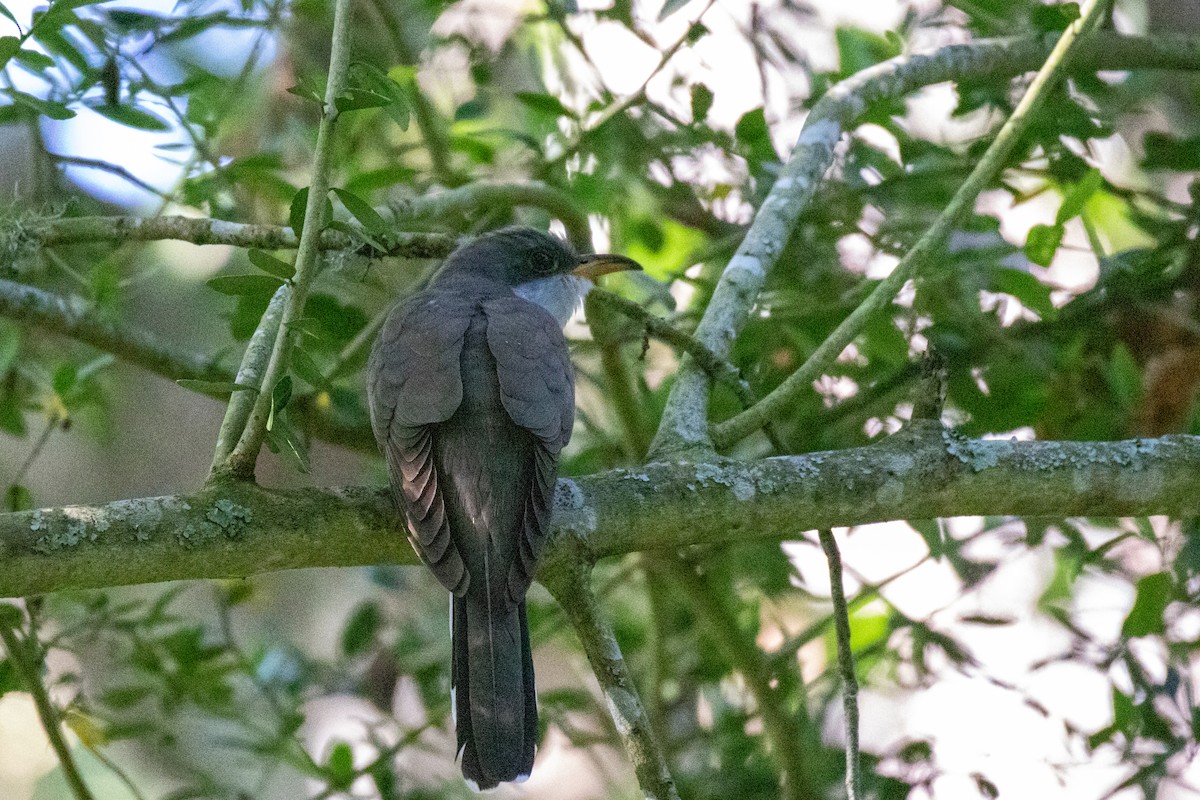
[541, 262]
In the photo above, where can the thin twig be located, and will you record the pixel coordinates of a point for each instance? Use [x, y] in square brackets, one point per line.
[242, 460]
[841, 620]
[572, 589]
[717, 368]
[19, 655]
[428, 120]
[630, 100]
[780, 729]
[104, 166]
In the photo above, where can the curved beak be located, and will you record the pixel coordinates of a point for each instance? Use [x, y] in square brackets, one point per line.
[597, 264]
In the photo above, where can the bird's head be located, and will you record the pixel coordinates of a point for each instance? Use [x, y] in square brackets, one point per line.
[539, 267]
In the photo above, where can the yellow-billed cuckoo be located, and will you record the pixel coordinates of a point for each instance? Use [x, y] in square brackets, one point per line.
[472, 399]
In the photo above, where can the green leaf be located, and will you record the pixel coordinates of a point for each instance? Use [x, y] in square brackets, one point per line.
[859, 49]
[272, 265]
[10, 681]
[934, 534]
[280, 396]
[1075, 197]
[1025, 287]
[214, 388]
[544, 104]
[308, 370]
[10, 345]
[752, 132]
[307, 91]
[361, 629]
[1164, 151]
[4, 12]
[33, 60]
[18, 498]
[1154, 593]
[702, 100]
[64, 378]
[247, 284]
[10, 616]
[670, 7]
[131, 116]
[1124, 375]
[1042, 243]
[1054, 18]
[356, 99]
[9, 45]
[283, 439]
[367, 216]
[340, 767]
[47, 108]
[296, 211]
[379, 83]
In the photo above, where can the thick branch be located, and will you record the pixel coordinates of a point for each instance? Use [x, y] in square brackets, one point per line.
[684, 426]
[239, 530]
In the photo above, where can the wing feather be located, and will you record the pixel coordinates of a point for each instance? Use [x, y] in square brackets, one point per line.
[537, 389]
[415, 383]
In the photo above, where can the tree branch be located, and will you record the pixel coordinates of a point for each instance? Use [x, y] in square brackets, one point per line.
[81, 230]
[71, 316]
[242, 459]
[780, 730]
[249, 374]
[684, 427]
[985, 170]
[235, 530]
[22, 653]
[572, 589]
[841, 621]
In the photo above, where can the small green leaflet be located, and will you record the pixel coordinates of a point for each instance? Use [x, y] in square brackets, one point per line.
[375, 83]
[340, 767]
[702, 100]
[307, 369]
[1032, 293]
[367, 216]
[47, 108]
[131, 116]
[280, 396]
[214, 388]
[235, 285]
[1042, 243]
[4, 12]
[670, 7]
[272, 265]
[1075, 198]
[1154, 593]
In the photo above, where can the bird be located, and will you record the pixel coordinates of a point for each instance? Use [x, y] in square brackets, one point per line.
[472, 399]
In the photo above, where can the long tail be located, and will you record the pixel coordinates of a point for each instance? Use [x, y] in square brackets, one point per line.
[494, 700]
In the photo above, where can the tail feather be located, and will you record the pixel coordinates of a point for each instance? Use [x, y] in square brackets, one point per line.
[494, 697]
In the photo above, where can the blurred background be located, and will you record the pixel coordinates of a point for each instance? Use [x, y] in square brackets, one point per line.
[998, 655]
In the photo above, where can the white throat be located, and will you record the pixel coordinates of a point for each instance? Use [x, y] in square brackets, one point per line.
[561, 295]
